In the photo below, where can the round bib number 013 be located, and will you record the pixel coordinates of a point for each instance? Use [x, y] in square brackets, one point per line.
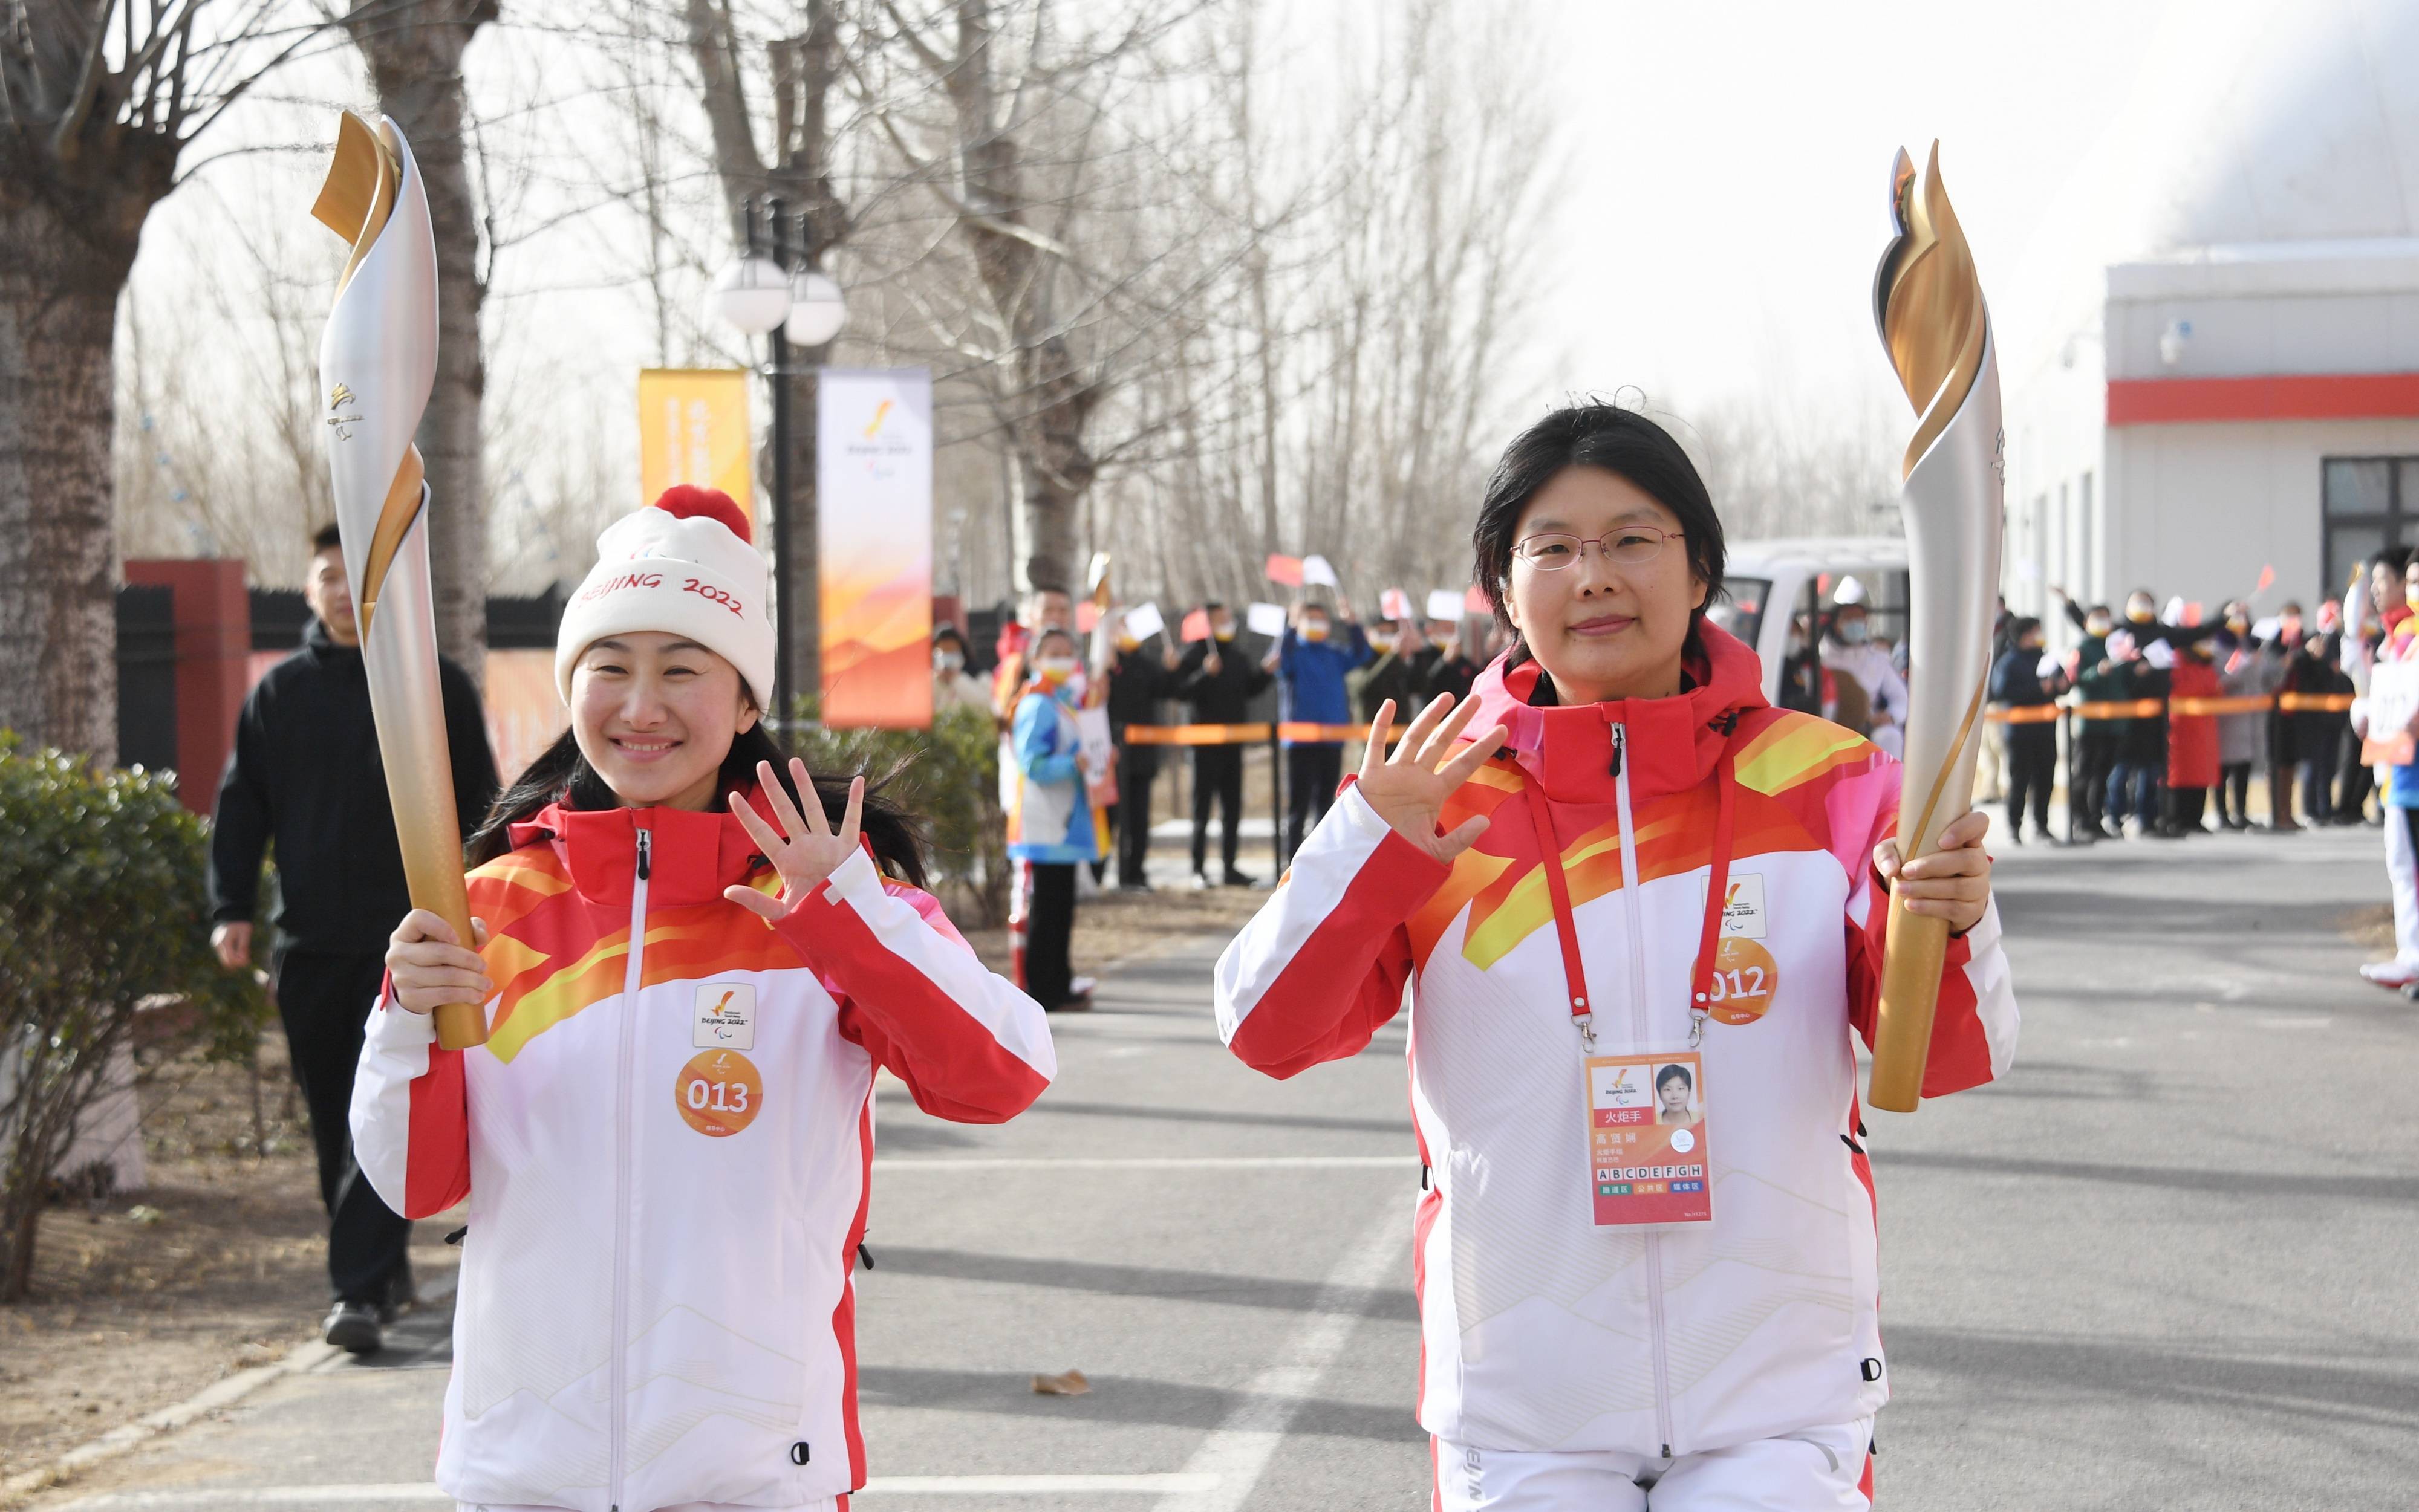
[719, 1092]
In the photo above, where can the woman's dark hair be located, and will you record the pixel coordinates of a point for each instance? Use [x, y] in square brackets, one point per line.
[2020, 627]
[1592, 435]
[948, 633]
[560, 773]
[1674, 1072]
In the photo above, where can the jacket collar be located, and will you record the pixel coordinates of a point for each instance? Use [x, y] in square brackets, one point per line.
[691, 857]
[1672, 743]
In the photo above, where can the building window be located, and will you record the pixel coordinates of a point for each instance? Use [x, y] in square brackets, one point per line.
[2369, 504]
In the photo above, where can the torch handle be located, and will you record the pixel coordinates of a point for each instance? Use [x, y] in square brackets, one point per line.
[1914, 948]
[460, 1025]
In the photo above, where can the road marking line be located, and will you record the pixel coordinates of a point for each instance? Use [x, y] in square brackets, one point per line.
[1148, 1163]
[1180, 1482]
[1238, 1451]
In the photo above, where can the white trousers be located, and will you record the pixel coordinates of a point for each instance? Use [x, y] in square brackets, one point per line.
[1822, 1470]
[2403, 870]
[829, 1503]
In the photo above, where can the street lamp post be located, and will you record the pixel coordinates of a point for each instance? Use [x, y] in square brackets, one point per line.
[773, 290]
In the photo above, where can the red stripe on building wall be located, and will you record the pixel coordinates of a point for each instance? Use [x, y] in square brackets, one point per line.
[2270, 397]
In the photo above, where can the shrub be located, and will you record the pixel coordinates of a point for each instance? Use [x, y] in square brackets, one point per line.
[103, 905]
[949, 775]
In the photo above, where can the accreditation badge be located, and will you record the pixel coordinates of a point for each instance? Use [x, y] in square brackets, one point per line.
[1646, 1140]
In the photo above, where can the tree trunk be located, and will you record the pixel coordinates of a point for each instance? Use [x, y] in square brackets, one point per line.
[61, 269]
[414, 48]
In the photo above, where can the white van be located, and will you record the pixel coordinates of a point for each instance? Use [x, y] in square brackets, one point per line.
[1766, 584]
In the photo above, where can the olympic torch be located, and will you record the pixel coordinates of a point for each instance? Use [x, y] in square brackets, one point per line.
[377, 361]
[1928, 300]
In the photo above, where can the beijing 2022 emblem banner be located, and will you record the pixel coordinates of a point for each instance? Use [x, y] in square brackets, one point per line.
[873, 483]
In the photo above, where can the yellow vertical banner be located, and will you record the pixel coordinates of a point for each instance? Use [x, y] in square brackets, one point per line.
[693, 429]
[873, 519]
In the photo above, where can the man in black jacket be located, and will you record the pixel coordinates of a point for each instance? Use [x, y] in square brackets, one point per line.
[1219, 682]
[305, 776]
[1138, 679]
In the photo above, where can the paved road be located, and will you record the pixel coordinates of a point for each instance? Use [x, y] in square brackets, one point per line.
[2168, 1263]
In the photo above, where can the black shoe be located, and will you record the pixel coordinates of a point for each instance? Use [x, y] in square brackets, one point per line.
[2017, 835]
[2040, 833]
[353, 1327]
[1239, 879]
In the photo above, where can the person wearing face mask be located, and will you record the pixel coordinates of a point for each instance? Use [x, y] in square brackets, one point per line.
[1219, 682]
[1616, 848]
[1454, 671]
[1311, 662]
[1048, 606]
[2020, 679]
[2317, 733]
[1849, 650]
[1400, 671]
[953, 686]
[2192, 765]
[1051, 826]
[693, 956]
[2243, 671]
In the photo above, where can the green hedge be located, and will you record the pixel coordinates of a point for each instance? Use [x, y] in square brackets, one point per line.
[103, 905]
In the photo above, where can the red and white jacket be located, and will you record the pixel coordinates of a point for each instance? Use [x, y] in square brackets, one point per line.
[1540, 1330]
[667, 1143]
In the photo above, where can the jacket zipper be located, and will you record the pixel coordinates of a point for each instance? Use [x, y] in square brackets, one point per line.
[622, 1121]
[1641, 1027]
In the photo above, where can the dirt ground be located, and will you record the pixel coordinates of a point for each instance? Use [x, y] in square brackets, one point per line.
[219, 1264]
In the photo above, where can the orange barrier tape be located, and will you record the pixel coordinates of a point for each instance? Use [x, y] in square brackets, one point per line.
[2133, 709]
[2331, 703]
[1296, 730]
[2249, 704]
[1197, 734]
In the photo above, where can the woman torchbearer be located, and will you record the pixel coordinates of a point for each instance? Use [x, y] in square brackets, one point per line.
[1614, 859]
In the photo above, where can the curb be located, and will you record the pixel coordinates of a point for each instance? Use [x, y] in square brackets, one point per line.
[223, 1393]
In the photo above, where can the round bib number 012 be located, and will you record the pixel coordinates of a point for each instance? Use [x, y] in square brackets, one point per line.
[1745, 979]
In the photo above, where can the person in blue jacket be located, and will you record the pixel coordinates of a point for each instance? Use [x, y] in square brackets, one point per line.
[1050, 828]
[1311, 665]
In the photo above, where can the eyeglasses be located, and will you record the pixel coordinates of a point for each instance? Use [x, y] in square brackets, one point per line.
[1629, 545]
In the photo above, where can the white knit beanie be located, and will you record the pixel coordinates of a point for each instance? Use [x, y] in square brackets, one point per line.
[683, 565]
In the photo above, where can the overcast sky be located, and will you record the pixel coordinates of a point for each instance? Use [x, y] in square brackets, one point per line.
[1725, 194]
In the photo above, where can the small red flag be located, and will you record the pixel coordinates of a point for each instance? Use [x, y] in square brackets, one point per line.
[1394, 605]
[2267, 579]
[1473, 600]
[1285, 571]
[1088, 614]
[1195, 626]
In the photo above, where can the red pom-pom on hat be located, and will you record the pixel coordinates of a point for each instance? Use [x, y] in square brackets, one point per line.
[688, 502]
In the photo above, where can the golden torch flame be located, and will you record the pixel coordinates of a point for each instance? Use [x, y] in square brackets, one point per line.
[1928, 299]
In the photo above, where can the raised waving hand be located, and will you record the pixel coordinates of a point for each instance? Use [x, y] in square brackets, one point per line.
[1408, 788]
[805, 849]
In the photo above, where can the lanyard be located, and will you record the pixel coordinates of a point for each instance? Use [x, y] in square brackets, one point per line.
[1558, 888]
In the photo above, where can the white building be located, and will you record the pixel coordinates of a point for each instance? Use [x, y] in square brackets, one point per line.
[2241, 390]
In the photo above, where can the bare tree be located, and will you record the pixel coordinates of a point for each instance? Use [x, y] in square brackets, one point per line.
[414, 50]
[802, 67]
[97, 102]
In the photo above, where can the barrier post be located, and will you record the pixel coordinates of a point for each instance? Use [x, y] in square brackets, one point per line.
[2066, 732]
[1278, 858]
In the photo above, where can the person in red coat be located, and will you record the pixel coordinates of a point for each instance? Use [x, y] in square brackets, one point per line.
[2192, 741]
